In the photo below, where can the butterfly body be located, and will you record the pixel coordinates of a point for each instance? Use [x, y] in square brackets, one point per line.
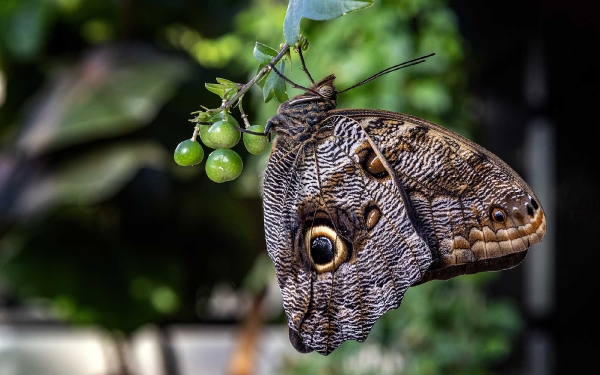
[361, 204]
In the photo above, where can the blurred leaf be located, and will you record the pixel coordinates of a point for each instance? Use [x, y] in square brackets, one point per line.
[92, 177]
[113, 90]
[98, 31]
[24, 25]
[318, 10]
[164, 300]
[260, 274]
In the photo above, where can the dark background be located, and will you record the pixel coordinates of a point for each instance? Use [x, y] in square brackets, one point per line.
[500, 34]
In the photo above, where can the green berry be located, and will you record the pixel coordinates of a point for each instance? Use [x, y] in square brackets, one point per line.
[255, 144]
[223, 134]
[188, 153]
[204, 136]
[223, 165]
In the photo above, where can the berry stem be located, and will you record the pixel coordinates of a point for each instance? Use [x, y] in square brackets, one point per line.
[226, 104]
[243, 114]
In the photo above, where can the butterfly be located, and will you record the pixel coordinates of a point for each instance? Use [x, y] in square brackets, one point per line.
[361, 204]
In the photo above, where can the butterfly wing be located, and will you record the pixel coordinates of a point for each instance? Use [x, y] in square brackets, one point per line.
[345, 245]
[476, 212]
[376, 202]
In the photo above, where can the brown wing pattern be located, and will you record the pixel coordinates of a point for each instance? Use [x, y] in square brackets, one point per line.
[477, 213]
[366, 203]
[344, 247]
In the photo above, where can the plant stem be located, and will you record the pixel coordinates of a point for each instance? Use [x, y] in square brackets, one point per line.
[253, 81]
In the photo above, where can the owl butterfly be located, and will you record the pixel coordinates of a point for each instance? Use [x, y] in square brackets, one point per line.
[360, 204]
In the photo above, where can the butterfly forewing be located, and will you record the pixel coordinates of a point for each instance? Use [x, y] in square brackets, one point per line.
[476, 212]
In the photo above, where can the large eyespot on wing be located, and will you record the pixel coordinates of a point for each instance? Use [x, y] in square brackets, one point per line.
[324, 246]
[355, 237]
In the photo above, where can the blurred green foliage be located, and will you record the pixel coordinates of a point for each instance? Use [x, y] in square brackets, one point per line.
[99, 225]
[97, 222]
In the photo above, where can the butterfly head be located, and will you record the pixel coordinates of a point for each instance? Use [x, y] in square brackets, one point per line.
[322, 92]
[299, 117]
[325, 88]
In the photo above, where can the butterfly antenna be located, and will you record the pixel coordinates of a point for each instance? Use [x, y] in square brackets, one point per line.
[294, 85]
[304, 69]
[405, 64]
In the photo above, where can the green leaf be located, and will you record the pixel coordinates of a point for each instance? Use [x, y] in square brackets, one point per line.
[226, 82]
[231, 88]
[230, 94]
[264, 54]
[275, 86]
[318, 10]
[224, 90]
[271, 84]
[261, 82]
[208, 117]
[215, 88]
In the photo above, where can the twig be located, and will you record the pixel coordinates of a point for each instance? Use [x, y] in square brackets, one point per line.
[253, 81]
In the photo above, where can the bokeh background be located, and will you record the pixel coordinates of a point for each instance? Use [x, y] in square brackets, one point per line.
[114, 260]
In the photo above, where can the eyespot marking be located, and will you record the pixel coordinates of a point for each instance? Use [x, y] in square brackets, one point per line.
[370, 163]
[321, 250]
[498, 215]
[325, 248]
[530, 211]
[534, 203]
[372, 216]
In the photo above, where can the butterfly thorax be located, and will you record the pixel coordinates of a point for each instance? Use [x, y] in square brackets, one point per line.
[299, 119]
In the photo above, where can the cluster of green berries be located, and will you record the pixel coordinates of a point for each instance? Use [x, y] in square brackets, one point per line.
[223, 164]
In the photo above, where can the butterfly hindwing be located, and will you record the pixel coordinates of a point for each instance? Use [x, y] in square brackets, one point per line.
[378, 253]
